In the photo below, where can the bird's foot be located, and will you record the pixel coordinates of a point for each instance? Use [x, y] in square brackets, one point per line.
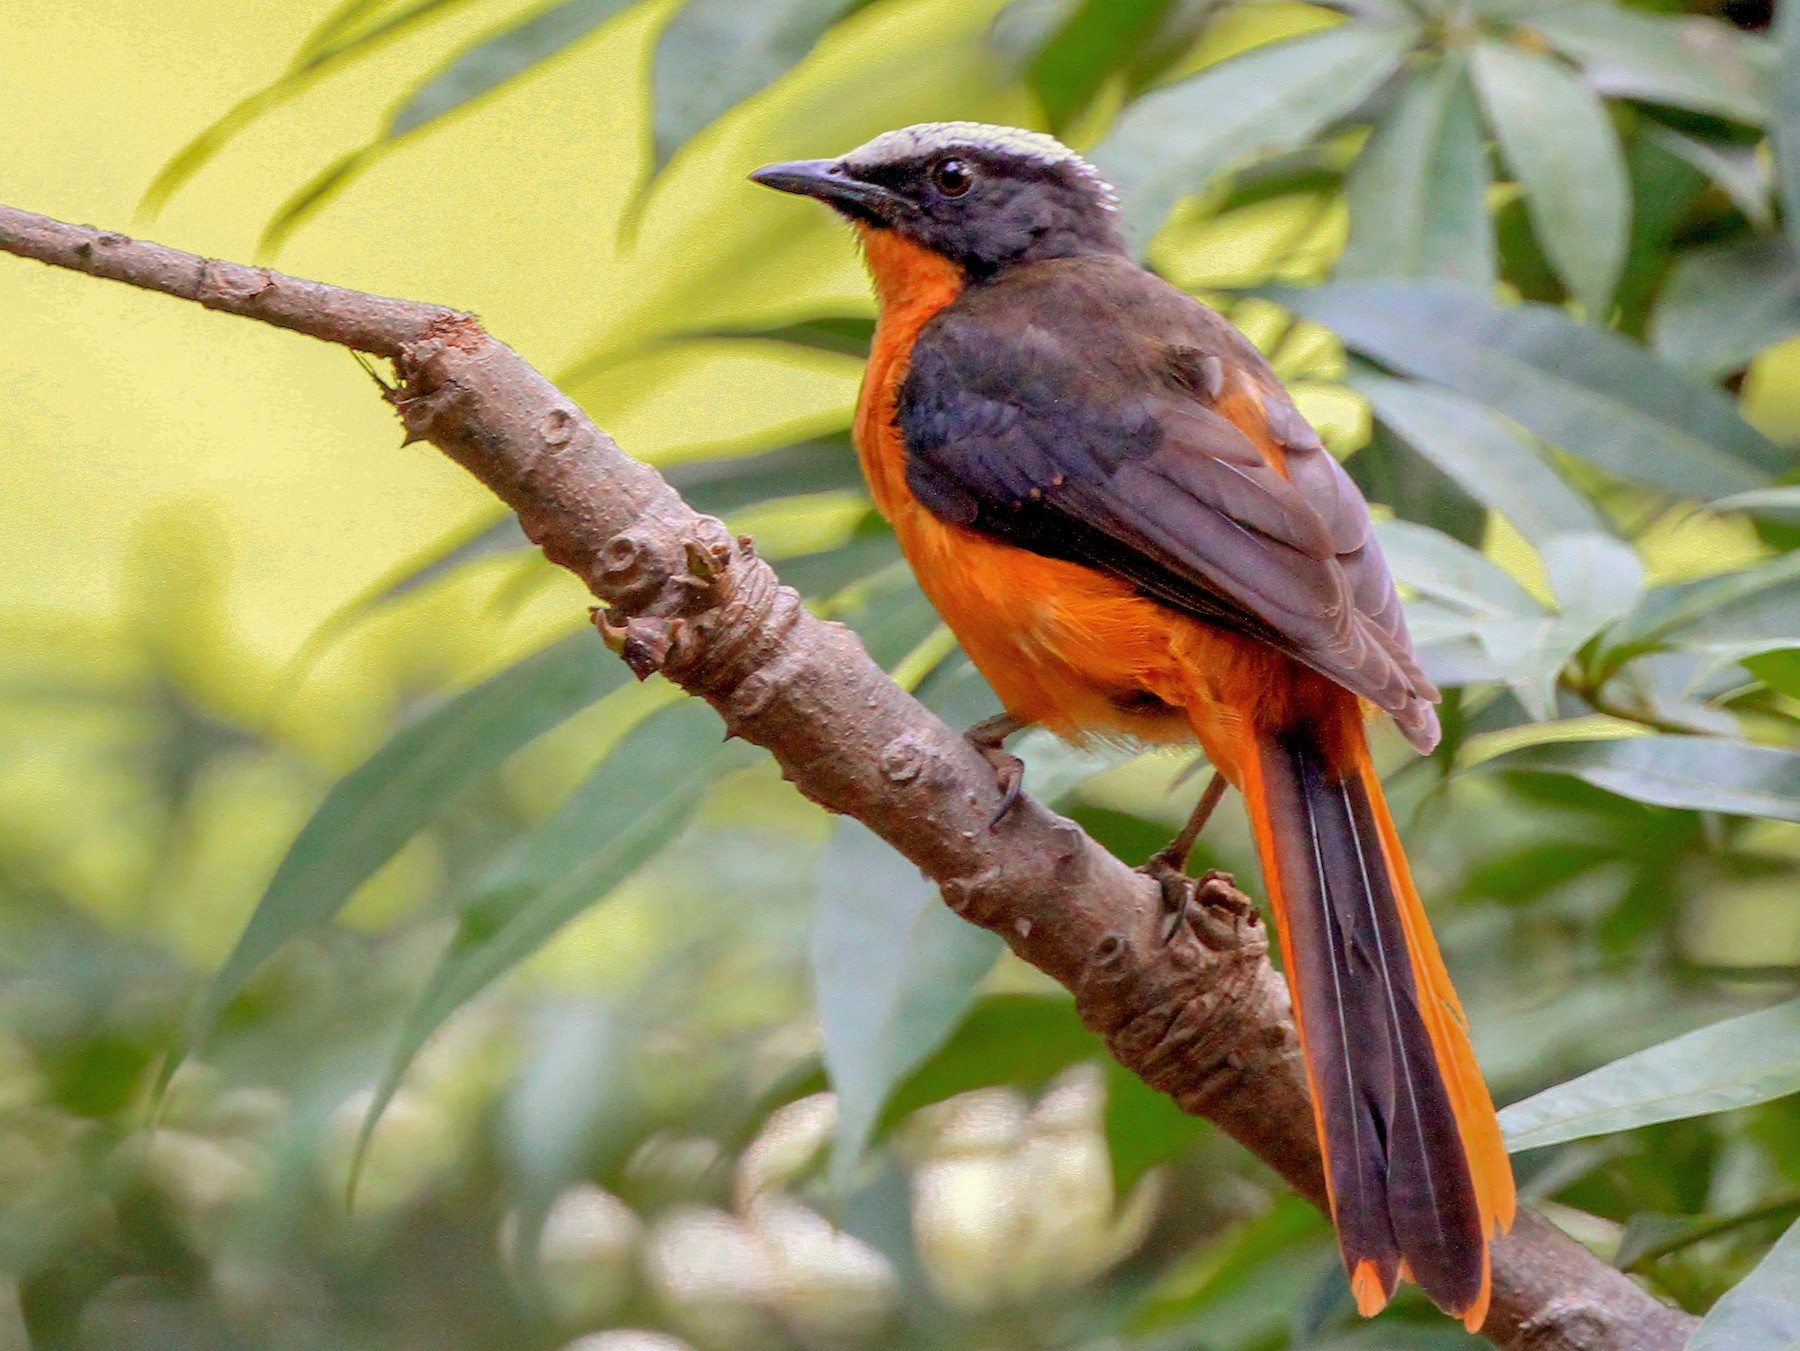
[1186, 900]
[989, 738]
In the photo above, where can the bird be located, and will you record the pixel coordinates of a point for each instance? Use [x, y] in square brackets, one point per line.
[1132, 531]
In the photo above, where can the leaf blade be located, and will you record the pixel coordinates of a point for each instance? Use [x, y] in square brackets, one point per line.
[714, 54]
[1691, 773]
[632, 804]
[1684, 62]
[1483, 456]
[1734, 1063]
[1762, 1312]
[894, 971]
[1558, 139]
[1417, 192]
[1594, 393]
[1270, 99]
[497, 58]
[371, 812]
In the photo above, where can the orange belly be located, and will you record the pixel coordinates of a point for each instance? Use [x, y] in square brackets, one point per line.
[1064, 645]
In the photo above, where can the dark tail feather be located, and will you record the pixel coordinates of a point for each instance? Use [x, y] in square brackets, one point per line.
[1410, 1144]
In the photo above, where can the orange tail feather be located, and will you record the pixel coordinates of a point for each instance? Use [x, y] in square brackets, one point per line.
[1417, 1173]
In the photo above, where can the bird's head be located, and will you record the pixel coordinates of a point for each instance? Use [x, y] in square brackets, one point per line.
[983, 197]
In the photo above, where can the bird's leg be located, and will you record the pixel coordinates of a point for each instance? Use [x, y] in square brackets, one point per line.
[1168, 866]
[989, 737]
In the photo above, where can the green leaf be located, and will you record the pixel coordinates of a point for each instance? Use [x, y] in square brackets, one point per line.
[1762, 1312]
[493, 60]
[1722, 305]
[1694, 773]
[1737, 170]
[1019, 1039]
[1450, 572]
[1099, 38]
[719, 485]
[1778, 504]
[1596, 579]
[565, 1097]
[1735, 1063]
[1175, 139]
[1418, 191]
[1687, 62]
[829, 571]
[636, 801]
[1784, 122]
[1560, 142]
[1481, 453]
[1596, 394]
[841, 334]
[714, 54]
[1729, 617]
[376, 808]
[313, 196]
[323, 51]
[501, 536]
[894, 970]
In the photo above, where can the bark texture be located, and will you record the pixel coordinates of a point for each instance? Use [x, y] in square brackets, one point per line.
[1201, 1016]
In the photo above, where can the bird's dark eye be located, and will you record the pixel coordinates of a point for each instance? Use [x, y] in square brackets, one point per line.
[951, 177]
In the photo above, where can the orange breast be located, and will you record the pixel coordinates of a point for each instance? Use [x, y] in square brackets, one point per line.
[1064, 645]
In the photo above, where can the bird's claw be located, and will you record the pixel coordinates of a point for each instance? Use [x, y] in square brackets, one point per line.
[989, 738]
[1009, 774]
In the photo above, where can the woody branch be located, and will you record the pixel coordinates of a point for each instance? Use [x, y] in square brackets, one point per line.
[1201, 1016]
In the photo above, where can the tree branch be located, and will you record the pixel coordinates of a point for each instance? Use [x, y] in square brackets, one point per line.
[1201, 1016]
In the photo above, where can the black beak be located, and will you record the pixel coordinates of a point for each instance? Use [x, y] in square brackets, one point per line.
[830, 182]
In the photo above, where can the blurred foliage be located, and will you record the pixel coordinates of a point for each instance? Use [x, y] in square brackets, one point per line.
[745, 1084]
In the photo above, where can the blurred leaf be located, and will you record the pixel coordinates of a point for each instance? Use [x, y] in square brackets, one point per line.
[326, 48]
[1781, 503]
[1779, 670]
[1596, 394]
[718, 486]
[1069, 49]
[1390, 471]
[1472, 621]
[1144, 1128]
[313, 195]
[1737, 170]
[1694, 773]
[894, 970]
[493, 60]
[841, 334]
[1722, 305]
[1734, 1063]
[1784, 121]
[1560, 142]
[1433, 564]
[1025, 1040]
[632, 804]
[829, 571]
[1484, 456]
[1418, 190]
[1098, 38]
[714, 54]
[1689, 62]
[1649, 1237]
[1762, 1313]
[474, 71]
[504, 535]
[1729, 617]
[569, 1090]
[376, 808]
[1175, 139]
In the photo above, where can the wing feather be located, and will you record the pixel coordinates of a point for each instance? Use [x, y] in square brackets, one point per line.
[1058, 407]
